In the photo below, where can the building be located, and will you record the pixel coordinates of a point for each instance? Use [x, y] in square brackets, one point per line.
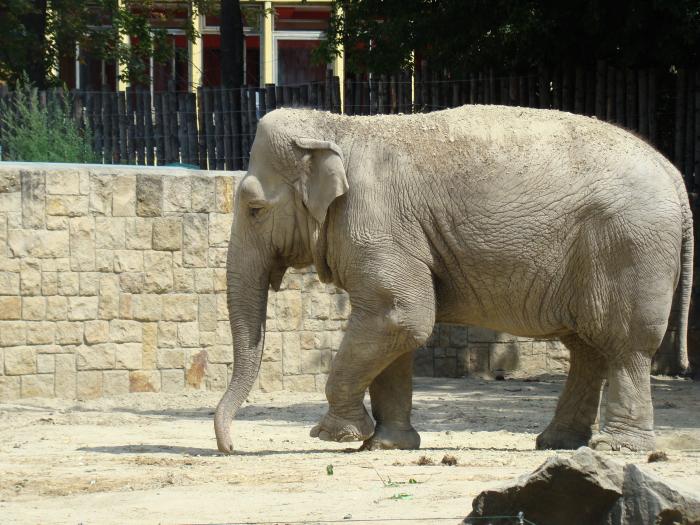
[280, 36]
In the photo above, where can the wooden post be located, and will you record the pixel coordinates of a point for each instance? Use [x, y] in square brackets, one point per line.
[253, 117]
[689, 160]
[697, 127]
[590, 92]
[224, 116]
[381, 95]
[148, 128]
[304, 95]
[131, 130]
[97, 123]
[202, 125]
[185, 154]
[171, 115]
[679, 128]
[270, 97]
[653, 129]
[434, 93]
[631, 120]
[544, 88]
[580, 94]
[567, 91]
[158, 132]
[107, 125]
[642, 102]
[327, 98]
[349, 97]
[192, 136]
[123, 124]
[620, 97]
[600, 89]
[219, 129]
[610, 95]
[237, 146]
[164, 120]
[279, 97]
[245, 129]
[335, 94]
[531, 91]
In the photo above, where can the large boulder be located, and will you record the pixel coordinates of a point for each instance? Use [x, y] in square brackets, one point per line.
[588, 488]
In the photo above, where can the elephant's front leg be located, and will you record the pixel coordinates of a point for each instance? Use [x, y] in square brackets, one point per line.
[383, 327]
[392, 394]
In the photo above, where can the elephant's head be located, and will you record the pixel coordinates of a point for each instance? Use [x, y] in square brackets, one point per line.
[279, 211]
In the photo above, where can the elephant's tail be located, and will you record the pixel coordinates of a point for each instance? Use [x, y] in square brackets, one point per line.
[686, 283]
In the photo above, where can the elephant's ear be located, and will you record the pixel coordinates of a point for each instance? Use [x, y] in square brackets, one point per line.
[325, 179]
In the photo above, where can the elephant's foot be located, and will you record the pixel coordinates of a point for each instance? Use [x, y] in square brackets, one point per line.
[555, 437]
[334, 428]
[633, 442]
[388, 438]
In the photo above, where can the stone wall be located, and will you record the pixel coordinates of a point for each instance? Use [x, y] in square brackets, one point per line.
[112, 280]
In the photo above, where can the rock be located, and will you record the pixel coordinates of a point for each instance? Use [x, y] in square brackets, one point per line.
[580, 490]
[649, 499]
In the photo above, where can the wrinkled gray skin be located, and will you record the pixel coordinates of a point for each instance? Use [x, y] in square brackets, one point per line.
[533, 222]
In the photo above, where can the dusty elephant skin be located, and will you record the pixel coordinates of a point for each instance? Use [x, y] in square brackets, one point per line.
[532, 222]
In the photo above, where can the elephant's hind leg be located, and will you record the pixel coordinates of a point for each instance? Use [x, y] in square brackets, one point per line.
[576, 416]
[392, 393]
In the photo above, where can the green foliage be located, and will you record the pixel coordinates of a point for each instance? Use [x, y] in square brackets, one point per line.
[127, 32]
[36, 132]
[381, 35]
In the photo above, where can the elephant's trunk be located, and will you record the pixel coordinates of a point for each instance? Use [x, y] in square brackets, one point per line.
[248, 283]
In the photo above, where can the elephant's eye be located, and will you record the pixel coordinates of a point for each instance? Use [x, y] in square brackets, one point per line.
[255, 210]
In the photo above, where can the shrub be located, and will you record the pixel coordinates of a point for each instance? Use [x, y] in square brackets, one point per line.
[42, 132]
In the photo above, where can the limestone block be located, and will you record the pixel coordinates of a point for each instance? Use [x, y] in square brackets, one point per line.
[33, 194]
[56, 308]
[479, 354]
[167, 334]
[104, 260]
[532, 358]
[321, 380]
[65, 380]
[115, 382]
[271, 376]
[217, 377]
[221, 307]
[20, 360]
[129, 356]
[110, 233]
[124, 196]
[484, 335]
[9, 388]
[9, 283]
[123, 331]
[167, 233]
[33, 308]
[144, 381]
[139, 234]
[300, 383]
[203, 194]
[14, 220]
[312, 362]
[49, 283]
[180, 307]
[291, 353]
[149, 345]
[40, 333]
[423, 363]
[220, 280]
[67, 205]
[10, 307]
[38, 243]
[60, 264]
[221, 354]
[195, 247]
[445, 367]
[57, 222]
[89, 384]
[69, 333]
[171, 358]
[177, 194]
[10, 181]
[89, 283]
[557, 357]
[126, 306]
[223, 333]
[188, 334]
[288, 309]
[40, 385]
[82, 308]
[101, 186]
[307, 340]
[7, 264]
[82, 244]
[158, 277]
[207, 312]
[203, 280]
[220, 229]
[128, 261]
[30, 277]
[96, 331]
[96, 357]
[109, 297]
[172, 381]
[46, 364]
[183, 280]
[207, 339]
[68, 283]
[459, 336]
[217, 257]
[195, 369]
[132, 282]
[224, 194]
[63, 183]
[11, 202]
[147, 307]
[149, 195]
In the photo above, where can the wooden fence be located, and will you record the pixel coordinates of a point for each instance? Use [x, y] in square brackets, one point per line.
[214, 128]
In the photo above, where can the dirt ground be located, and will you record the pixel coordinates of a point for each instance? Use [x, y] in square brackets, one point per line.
[147, 458]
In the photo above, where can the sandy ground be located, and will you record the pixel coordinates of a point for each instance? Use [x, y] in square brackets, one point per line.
[146, 458]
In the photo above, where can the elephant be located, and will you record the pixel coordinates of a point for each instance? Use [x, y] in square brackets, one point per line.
[535, 222]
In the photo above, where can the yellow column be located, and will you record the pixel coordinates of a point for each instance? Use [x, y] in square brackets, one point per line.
[196, 54]
[126, 41]
[339, 69]
[268, 73]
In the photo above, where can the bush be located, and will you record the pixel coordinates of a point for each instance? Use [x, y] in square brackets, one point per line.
[33, 131]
